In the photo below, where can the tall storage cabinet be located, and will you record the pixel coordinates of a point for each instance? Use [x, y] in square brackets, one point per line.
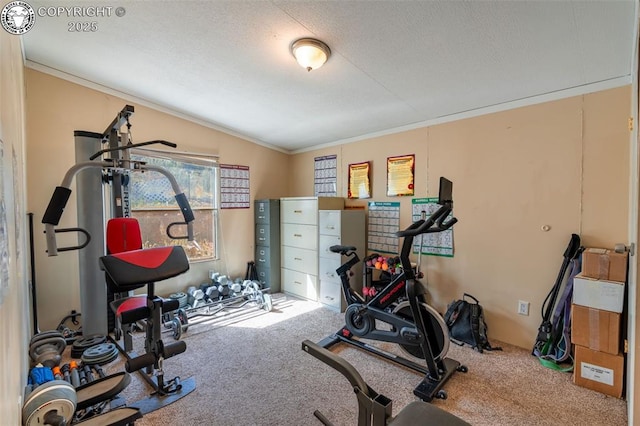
[299, 236]
[267, 243]
[339, 227]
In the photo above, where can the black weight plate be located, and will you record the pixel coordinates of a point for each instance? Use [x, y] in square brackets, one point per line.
[45, 335]
[107, 359]
[88, 341]
[96, 354]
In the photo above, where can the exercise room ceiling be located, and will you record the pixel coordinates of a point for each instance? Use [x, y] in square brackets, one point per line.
[394, 65]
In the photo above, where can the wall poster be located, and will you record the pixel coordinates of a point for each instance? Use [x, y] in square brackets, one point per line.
[326, 176]
[384, 222]
[400, 171]
[234, 187]
[438, 243]
[359, 185]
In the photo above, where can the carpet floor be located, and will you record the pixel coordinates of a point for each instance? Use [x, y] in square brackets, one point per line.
[250, 370]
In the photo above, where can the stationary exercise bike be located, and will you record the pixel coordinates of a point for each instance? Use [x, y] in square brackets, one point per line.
[409, 320]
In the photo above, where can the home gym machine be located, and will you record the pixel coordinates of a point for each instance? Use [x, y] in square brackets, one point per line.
[375, 409]
[102, 191]
[411, 323]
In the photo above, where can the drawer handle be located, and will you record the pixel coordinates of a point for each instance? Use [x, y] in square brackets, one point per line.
[297, 235]
[330, 298]
[261, 217]
[330, 275]
[331, 227]
[297, 258]
[261, 260]
[297, 282]
[297, 211]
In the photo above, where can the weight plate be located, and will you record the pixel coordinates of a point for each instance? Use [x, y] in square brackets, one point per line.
[177, 328]
[45, 335]
[47, 344]
[183, 298]
[79, 346]
[100, 354]
[88, 341]
[184, 319]
[55, 395]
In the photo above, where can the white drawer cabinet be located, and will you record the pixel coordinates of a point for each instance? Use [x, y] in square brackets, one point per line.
[299, 218]
[300, 284]
[299, 259]
[339, 227]
[299, 235]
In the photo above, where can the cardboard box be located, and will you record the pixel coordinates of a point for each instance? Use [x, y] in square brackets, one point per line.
[598, 294]
[604, 264]
[599, 371]
[595, 329]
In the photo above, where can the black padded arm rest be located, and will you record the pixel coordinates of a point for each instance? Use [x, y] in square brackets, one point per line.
[131, 269]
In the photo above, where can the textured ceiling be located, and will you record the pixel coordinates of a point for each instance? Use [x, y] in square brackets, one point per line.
[394, 65]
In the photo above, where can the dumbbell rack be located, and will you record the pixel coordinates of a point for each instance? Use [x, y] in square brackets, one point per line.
[179, 321]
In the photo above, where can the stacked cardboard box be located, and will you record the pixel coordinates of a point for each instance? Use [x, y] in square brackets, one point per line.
[598, 304]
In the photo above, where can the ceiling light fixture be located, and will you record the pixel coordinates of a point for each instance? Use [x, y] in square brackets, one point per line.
[310, 53]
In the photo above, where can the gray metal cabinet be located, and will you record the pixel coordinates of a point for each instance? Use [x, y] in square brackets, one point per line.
[267, 243]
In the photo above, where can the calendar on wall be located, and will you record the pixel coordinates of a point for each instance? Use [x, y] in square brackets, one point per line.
[384, 222]
[438, 243]
[234, 187]
[326, 176]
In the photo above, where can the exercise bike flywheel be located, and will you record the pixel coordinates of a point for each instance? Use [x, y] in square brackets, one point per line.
[439, 340]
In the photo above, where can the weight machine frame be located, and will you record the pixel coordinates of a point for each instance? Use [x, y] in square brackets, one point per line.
[108, 167]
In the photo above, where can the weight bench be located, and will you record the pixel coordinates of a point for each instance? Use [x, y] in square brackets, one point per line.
[375, 409]
[129, 267]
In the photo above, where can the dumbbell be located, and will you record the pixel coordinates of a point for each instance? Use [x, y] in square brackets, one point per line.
[223, 286]
[212, 293]
[196, 296]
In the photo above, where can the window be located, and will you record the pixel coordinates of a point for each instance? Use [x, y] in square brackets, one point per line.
[153, 203]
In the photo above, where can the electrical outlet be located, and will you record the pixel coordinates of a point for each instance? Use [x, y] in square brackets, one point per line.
[523, 307]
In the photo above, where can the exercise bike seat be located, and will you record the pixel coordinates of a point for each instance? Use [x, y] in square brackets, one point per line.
[423, 413]
[342, 249]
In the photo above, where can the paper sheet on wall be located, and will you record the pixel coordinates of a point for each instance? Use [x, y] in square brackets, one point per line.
[436, 244]
[384, 222]
[326, 176]
[234, 187]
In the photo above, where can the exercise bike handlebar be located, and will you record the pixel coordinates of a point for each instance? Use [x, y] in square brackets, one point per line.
[435, 223]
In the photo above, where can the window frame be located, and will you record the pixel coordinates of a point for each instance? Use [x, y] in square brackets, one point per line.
[198, 159]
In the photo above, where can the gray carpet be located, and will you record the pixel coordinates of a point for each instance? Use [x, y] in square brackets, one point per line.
[250, 370]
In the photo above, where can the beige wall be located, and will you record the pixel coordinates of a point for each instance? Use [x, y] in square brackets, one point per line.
[55, 108]
[564, 164]
[15, 326]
